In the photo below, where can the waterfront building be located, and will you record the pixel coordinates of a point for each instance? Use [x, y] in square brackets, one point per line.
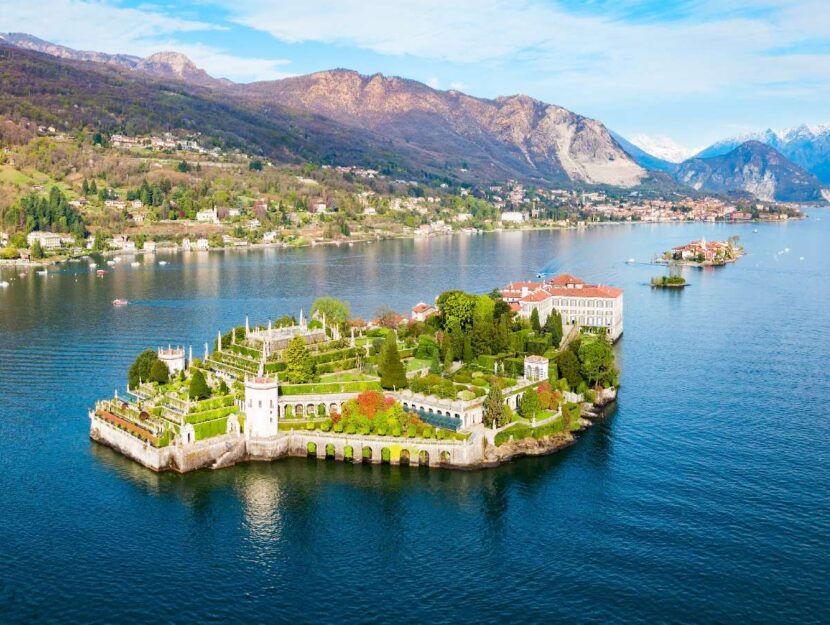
[589, 306]
[261, 406]
[421, 311]
[47, 240]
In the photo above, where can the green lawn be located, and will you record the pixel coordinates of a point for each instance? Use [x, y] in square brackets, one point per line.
[347, 377]
[414, 364]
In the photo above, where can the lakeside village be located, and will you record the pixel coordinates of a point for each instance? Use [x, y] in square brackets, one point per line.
[471, 381]
[65, 196]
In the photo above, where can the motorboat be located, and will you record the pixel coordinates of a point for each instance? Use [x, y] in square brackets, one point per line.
[100, 273]
[162, 263]
[135, 263]
[3, 284]
[119, 302]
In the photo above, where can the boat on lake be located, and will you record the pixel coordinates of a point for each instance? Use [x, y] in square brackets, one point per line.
[119, 302]
[100, 273]
[3, 284]
[135, 263]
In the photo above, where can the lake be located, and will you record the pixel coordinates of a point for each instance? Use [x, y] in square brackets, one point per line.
[704, 498]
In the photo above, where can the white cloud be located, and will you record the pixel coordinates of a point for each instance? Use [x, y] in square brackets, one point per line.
[102, 27]
[721, 45]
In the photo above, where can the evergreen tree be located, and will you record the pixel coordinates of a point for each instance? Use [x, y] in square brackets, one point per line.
[529, 404]
[159, 372]
[85, 188]
[223, 388]
[569, 368]
[390, 367]
[93, 188]
[494, 408]
[37, 250]
[467, 355]
[140, 369]
[298, 365]
[534, 321]
[597, 362]
[198, 386]
[553, 326]
[435, 364]
[448, 357]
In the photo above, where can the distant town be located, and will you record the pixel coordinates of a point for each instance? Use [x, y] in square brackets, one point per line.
[68, 195]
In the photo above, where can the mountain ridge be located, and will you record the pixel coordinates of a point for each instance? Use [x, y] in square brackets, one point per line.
[755, 168]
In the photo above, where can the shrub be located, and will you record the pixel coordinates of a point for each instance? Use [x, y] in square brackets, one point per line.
[480, 382]
[325, 426]
[396, 430]
[411, 430]
[351, 429]
[338, 427]
[309, 426]
[427, 432]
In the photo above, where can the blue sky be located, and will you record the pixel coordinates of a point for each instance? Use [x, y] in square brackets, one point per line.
[691, 70]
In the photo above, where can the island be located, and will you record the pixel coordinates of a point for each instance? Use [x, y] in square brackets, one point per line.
[703, 253]
[471, 381]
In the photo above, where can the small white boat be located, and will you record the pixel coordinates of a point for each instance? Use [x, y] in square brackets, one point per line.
[100, 273]
[22, 274]
[43, 272]
[3, 284]
[119, 302]
[800, 258]
[110, 262]
[117, 259]
[631, 260]
[756, 230]
[787, 250]
[93, 265]
[135, 263]
[162, 263]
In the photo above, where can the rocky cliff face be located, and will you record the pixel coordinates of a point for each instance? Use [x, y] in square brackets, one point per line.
[176, 66]
[509, 136]
[755, 168]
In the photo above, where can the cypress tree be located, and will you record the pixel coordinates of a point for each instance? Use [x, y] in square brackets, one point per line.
[198, 386]
[534, 321]
[494, 411]
[390, 367]
[448, 356]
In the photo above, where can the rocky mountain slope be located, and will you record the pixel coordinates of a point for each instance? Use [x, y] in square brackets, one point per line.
[806, 146]
[514, 136]
[755, 168]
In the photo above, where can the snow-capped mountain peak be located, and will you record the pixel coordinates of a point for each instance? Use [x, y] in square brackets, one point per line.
[662, 147]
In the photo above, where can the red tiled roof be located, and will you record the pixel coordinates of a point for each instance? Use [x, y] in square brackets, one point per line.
[564, 279]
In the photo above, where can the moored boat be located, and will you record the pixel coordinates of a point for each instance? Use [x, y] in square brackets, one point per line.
[119, 302]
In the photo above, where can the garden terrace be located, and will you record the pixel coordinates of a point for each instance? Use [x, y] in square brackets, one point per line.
[322, 388]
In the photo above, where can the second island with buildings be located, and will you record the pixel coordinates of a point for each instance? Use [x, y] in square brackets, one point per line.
[469, 381]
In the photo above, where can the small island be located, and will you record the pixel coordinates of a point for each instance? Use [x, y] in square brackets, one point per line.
[668, 282]
[703, 253]
[472, 381]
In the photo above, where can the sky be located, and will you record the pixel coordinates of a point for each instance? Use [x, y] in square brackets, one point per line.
[690, 71]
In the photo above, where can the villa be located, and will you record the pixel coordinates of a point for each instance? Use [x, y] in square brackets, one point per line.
[47, 240]
[589, 306]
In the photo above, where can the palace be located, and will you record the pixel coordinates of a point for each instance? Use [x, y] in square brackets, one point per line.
[589, 306]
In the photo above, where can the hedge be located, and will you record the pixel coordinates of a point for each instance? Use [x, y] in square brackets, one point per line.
[209, 429]
[209, 415]
[338, 354]
[211, 404]
[336, 365]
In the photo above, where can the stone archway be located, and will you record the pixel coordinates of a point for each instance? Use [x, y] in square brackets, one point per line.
[330, 451]
[404, 456]
[367, 454]
[385, 455]
[423, 458]
[445, 457]
[311, 448]
[299, 411]
[333, 409]
[348, 452]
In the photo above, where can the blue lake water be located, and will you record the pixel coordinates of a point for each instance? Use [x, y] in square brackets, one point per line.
[705, 497]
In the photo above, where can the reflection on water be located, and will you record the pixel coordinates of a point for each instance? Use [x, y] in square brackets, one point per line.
[704, 493]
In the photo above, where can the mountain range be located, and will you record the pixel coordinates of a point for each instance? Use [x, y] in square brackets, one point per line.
[395, 124]
[806, 146]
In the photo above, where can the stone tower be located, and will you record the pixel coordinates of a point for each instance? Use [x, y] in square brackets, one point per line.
[261, 395]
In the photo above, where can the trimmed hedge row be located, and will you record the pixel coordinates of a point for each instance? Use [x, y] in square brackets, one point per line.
[336, 365]
[338, 354]
[209, 429]
[209, 415]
